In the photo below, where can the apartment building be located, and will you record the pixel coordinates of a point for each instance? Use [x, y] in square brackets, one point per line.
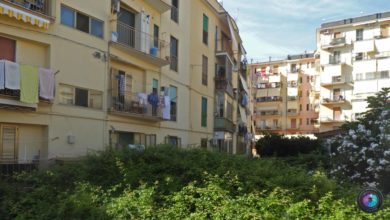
[286, 95]
[117, 73]
[355, 63]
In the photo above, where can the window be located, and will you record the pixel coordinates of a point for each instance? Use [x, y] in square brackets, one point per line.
[204, 112]
[307, 78]
[370, 75]
[70, 95]
[174, 53]
[82, 22]
[359, 76]
[175, 11]
[359, 56]
[337, 35]
[203, 143]
[155, 84]
[8, 49]
[384, 74]
[8, 142]
[205, 29]
[359, 34]
[300, 107]
[205, 64]
[173, 141]
[307, 93]
[67, 16]
[156, 31]
[307, 107]
[173, 97]
[300, 79]
[275, 123]
[307, 121]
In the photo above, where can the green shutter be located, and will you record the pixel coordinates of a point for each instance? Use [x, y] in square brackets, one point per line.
[204, 112]
[205, 23]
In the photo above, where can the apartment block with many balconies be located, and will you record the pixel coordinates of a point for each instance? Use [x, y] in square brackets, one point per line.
[286, 95]
[355, 63]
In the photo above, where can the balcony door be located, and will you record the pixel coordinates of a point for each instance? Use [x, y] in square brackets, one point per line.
[126, 27]
[8, 143]
[293, 123]
[337, 113]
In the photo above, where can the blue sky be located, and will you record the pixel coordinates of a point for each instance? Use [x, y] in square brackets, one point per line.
[280, 27]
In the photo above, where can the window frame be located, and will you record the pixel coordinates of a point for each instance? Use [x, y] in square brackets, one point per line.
[174, 56]
[204, 112]
[90, 19]
[205, 30]
[72, 93]
[205, 70]
[176, 101]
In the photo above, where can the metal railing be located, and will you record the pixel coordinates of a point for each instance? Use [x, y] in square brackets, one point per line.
[223, 124]
[139, 40]
[269, 85]
[10, 167]
[38, 6]
[130, 103]
[269, 113]
[292, 111]
[224, 46]
[270, 99]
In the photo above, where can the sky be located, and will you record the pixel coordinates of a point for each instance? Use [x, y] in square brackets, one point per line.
[277, 28]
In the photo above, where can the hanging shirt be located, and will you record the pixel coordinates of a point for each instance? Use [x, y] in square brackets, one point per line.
[153, 99]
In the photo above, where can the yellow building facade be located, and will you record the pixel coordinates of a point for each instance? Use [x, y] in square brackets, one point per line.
[130, 72]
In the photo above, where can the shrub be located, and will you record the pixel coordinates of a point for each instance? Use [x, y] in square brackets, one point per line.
[282, 146]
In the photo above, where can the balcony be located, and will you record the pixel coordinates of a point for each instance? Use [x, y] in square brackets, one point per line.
[141, 45]
[337, 81]
[292, 98]
[334, 43]
[159, 5]
[224, 47]
[292, 112]
[223, 84]
[335, 100]
[36, 7]
[269, 85]
[292, 84]
[270, 127]
[272, 99]
[270, 113]
[329, 120]
[130, 105]
[223, 124]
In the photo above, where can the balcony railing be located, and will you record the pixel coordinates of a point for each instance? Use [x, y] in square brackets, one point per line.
[269, 113]
[337, 80]
[223, 124]
[272, 127]
[332, 120]
[335, 42]
[270, 99]
[292, 98]
[292, 112]
[224, 46]
[268, 85]
[130, 104]
[335, 99]
[37, 6]
[140, 41]
[223, 84]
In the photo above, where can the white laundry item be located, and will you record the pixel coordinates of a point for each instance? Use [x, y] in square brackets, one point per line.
[12, 75]
[2, 79]
[167, 108]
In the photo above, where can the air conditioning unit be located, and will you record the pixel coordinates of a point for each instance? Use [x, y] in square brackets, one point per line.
[115, 6]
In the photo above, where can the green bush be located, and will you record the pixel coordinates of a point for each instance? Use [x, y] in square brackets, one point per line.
[169, 183]
[282, 146]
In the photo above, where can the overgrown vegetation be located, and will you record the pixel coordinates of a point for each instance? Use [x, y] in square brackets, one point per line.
[169, 183]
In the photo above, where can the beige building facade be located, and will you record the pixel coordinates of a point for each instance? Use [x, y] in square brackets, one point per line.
[286, 95]
[128, 72]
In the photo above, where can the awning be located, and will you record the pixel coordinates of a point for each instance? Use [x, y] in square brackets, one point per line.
[23, 16]
[244, 85]
[232, 32]
[243, 114]
[382, 45]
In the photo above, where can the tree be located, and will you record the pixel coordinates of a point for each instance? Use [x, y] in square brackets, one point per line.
[362, 153]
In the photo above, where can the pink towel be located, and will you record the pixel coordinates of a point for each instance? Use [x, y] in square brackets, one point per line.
[46, 83]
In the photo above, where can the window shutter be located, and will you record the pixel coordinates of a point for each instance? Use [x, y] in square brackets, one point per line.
[7, 51]
[9, 143]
